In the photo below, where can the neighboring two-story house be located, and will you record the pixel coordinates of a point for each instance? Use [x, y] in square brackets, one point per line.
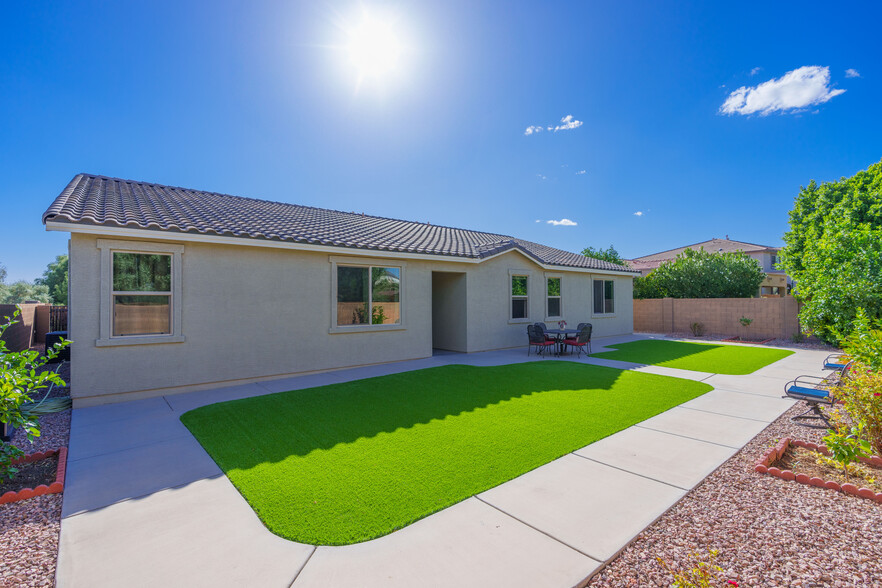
[777, 283]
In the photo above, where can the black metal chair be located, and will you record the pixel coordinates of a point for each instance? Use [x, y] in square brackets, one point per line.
[581, 340]
[538, 340]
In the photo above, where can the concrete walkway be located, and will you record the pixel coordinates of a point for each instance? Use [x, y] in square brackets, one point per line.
[145, 505]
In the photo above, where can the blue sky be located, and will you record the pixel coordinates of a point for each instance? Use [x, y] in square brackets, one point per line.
[261, 99]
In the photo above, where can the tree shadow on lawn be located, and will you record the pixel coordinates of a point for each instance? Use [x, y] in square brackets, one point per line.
[240, 434]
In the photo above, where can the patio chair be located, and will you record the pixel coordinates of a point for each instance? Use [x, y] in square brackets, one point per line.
[544, 329]
[815, 391]
[581, 340]
[835, 362]
[538, 340]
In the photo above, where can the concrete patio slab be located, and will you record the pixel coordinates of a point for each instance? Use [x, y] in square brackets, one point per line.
[181, 403]
[95, 482]
[760, 385]
[725, 430]
[202, 534]
[106, 413]
[468, 544]
[660, 456]
[122, 434]
[740, 404]
[587, 505]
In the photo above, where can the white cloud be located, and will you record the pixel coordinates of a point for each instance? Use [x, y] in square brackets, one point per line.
[581, 172]
[566, 123]
[755, 71]
[806, 86]
[538, 221]
[564, 222]
[852, 73]
[541, 177]
[638, 213]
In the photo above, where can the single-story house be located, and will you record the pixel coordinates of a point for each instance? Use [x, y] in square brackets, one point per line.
[776, 283]
[173, 289]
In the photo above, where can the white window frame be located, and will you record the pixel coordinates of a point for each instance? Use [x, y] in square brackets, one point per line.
[511, 297]
[603, 314]
[549, 317]
[368, 263]
[105, 328]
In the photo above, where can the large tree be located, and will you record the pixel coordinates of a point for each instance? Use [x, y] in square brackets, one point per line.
[610, 255]
[702, 274]
[55, 278]
[833, 252]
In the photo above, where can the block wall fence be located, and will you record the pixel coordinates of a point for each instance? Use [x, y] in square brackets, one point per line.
[772, 317]
[31, 328]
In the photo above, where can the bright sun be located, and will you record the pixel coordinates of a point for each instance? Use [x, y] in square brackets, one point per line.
[374, 48]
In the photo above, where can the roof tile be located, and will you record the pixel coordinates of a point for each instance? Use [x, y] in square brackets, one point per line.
[100, 200]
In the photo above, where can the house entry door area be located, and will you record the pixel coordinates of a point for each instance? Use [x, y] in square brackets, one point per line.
[449, 311]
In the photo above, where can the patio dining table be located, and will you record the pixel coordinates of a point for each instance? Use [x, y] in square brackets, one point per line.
[560, 335]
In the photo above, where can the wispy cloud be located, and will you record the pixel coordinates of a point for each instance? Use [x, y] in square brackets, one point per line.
[852, 73]
[755, 71]
[566, 123]
[564, 222]
[541, 177]
[581, 172]
[638, 213]
[792, 92]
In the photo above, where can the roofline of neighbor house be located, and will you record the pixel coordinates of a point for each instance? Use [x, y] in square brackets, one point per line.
[763, 248]
[153, 235]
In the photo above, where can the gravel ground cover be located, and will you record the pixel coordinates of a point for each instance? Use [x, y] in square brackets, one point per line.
[812, 343]
[29, 528]
[769, 532]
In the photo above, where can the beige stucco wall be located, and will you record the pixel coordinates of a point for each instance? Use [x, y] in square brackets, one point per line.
[449, 306]
[490, 325]
[251, 313]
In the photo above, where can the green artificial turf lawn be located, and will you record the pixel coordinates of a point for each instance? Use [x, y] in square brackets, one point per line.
[701, 357]
[349, 462]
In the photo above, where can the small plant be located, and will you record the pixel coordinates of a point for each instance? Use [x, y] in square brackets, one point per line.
[798, 337]
[745, 322]
[697, 329]
[378, 315]
[861, 397]
[704, 572]
[19, 378]
[846, 446]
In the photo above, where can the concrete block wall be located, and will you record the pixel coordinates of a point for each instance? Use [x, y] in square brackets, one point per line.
[772, 317]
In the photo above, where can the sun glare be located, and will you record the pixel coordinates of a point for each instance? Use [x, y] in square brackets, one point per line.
[374, 48]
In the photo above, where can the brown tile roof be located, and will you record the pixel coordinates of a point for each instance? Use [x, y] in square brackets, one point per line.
[653, 260]
[99, 200]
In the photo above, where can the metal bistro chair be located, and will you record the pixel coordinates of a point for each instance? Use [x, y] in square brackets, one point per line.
[835, 362]
[544, 329]
[581, 340]
[816, 391]
[537, 340]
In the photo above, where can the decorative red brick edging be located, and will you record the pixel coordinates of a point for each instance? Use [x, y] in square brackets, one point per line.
[763, 466]
[738, 340]
[55, 487]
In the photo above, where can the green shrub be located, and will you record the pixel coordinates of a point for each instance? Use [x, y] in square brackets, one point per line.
[19, 378]
[833, 251]
[702, 274]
